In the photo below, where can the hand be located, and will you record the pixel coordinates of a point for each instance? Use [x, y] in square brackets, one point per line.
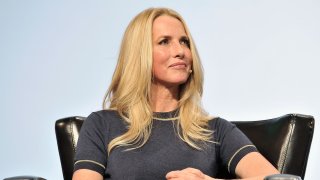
[187, 174]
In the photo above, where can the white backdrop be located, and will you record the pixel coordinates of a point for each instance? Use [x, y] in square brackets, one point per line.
[261, 60]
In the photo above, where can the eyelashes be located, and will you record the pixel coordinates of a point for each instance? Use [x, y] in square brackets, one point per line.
[183, 41]
[164, 42]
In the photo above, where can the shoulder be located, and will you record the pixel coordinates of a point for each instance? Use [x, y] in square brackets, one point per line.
[103, 118]
[106, 121]
[222, 128]
[220, 123]
[105, 114]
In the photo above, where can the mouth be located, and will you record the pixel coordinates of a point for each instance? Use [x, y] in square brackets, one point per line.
[179, 65]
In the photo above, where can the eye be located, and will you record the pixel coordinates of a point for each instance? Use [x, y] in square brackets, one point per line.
[164, 42]
[185, 41]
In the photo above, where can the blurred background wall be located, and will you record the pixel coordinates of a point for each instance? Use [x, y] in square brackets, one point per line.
[261, 60]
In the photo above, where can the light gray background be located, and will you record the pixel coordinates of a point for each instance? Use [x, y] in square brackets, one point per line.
[261, 60]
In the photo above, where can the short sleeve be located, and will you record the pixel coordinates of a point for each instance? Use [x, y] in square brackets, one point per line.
[91, 150]
[233, 145]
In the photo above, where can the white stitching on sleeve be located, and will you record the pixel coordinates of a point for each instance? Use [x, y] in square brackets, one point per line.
[94, 162]
[229, 163]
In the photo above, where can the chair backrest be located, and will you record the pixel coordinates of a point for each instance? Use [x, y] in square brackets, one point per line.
[285, 141]
[67, 133]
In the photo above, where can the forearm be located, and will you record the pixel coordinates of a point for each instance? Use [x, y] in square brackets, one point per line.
[86, 174]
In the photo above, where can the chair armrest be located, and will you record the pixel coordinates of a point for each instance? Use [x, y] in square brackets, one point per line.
[24, 178]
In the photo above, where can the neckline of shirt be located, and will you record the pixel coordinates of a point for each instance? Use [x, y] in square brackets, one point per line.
[166, 116]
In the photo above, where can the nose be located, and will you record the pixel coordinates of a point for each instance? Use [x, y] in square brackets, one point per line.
[177, 50]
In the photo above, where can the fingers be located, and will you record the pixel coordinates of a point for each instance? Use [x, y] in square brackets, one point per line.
[194, 171]
[188, 173]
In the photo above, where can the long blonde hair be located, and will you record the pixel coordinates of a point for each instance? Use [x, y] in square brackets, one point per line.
[130, 89]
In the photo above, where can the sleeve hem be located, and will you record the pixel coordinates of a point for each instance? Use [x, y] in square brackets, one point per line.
[89, 164]
[238, 155]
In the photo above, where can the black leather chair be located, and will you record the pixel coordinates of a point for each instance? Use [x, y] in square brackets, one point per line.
[285, 141]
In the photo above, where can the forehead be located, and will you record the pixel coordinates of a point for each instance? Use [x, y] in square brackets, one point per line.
[168, 25]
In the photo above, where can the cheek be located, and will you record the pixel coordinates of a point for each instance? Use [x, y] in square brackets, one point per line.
[158, 56]
[157, 61]
[189, 56]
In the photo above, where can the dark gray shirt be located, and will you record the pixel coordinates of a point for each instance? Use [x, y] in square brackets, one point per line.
[163, 152]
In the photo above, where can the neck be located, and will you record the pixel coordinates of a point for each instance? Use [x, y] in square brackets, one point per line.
[163, 98]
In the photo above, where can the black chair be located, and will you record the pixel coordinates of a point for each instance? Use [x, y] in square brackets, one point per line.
[285, 141]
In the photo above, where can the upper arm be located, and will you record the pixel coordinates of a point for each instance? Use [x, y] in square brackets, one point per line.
[91, 151]
[233, 145]
[86, 174]
[254, 164]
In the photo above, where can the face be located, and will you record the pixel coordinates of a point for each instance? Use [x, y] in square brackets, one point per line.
[172, 59]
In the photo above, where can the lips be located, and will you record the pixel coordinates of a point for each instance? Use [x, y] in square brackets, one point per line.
[179, 65]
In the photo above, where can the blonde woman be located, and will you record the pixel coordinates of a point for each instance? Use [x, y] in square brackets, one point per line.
[153, 125]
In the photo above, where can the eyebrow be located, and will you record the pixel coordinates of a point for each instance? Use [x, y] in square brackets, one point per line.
[170, 37]
[165, 36]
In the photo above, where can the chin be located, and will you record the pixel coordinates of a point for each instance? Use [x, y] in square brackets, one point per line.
[180, 81]
[174, 80]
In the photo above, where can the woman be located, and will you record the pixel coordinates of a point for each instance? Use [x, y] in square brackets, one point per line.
[155, 127]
